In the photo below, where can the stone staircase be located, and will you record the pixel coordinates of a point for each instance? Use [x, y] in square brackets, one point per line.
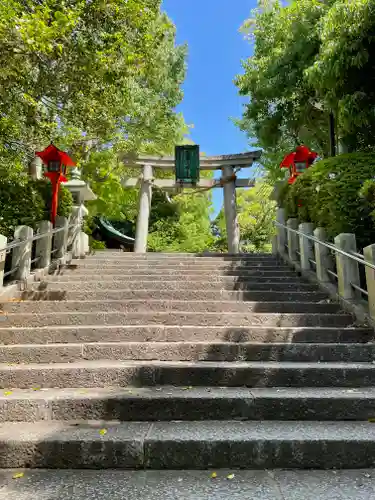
[179, 361]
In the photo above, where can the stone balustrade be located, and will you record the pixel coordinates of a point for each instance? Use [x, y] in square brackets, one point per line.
[336, 264]
[31, 251]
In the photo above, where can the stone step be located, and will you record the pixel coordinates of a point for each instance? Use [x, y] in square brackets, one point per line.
[191, 445]
[267, 266]
[229, 319]
[166, 262]
[166, 305]
[185, 484]
[103, 373]
[177, 333]
[192, 279]
[184, 403]
[180, 257]
[186, 351]
[189, 273]
[177, 285]
[156, 293]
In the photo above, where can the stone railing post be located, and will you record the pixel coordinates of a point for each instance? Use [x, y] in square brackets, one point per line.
[306, 246]
[369, 254]
[3, 254]
[292, 239]
[275, 249]
[44, 245]
[84, 242]
[347, 268]
[281, 231]
[61, 237]
[21, 255]
[322, 256]
[75, 221]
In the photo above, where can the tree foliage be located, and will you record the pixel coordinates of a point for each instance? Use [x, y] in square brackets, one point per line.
[99, 78]
[182, 226]
[88, 75]
[311, 57]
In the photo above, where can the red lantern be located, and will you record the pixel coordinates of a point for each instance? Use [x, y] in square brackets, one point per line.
[298, 161]
[57, 162]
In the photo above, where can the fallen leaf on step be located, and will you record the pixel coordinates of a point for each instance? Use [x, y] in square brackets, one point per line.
[18, 475]
[372, 420]
[36, 388]
[103, 432]
[230, 476]
[8, 393]
[214, 475]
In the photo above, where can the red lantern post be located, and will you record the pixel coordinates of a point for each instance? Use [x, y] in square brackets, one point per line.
[298, 161]
[57, 162]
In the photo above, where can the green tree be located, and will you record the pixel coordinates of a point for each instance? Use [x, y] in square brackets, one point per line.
[182, 226]
[311, 57]
[281, 104]
[344, 71]
[89, 75]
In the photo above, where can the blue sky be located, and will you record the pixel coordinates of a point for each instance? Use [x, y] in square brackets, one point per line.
[210, 28]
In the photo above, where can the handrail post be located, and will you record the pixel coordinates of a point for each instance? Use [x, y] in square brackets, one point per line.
[84, 242]
[347, 268]
[44, 245]
[306, 246]
[61, 238]
[292, 239]
[3, 254]
[369, 254]
[275, 249]
[281, 232]
[321, 255]
[21, 257]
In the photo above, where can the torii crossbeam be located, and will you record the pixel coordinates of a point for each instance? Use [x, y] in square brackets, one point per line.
[228, 181]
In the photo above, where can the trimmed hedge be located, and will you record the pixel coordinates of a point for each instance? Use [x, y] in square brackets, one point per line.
[26, 202]
[330, 195]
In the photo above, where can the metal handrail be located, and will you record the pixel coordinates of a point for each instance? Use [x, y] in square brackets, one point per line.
[359, 255]
[362, 290]
[328, 245]
[332, 273]
[35, 237]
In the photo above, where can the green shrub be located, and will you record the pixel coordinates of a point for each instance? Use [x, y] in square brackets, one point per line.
[21, 203]
[97, 245]
[330, 195]
[26, 202]
[368, 193]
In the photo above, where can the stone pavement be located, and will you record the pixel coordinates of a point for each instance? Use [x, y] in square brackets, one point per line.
[187, 485]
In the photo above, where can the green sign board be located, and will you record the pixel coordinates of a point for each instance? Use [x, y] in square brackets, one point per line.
[187, 164]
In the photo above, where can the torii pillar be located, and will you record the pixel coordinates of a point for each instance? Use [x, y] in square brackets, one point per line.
[228, 182]
[230, 210]
[145, 198]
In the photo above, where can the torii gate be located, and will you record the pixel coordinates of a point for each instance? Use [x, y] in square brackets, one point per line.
[228, 164]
